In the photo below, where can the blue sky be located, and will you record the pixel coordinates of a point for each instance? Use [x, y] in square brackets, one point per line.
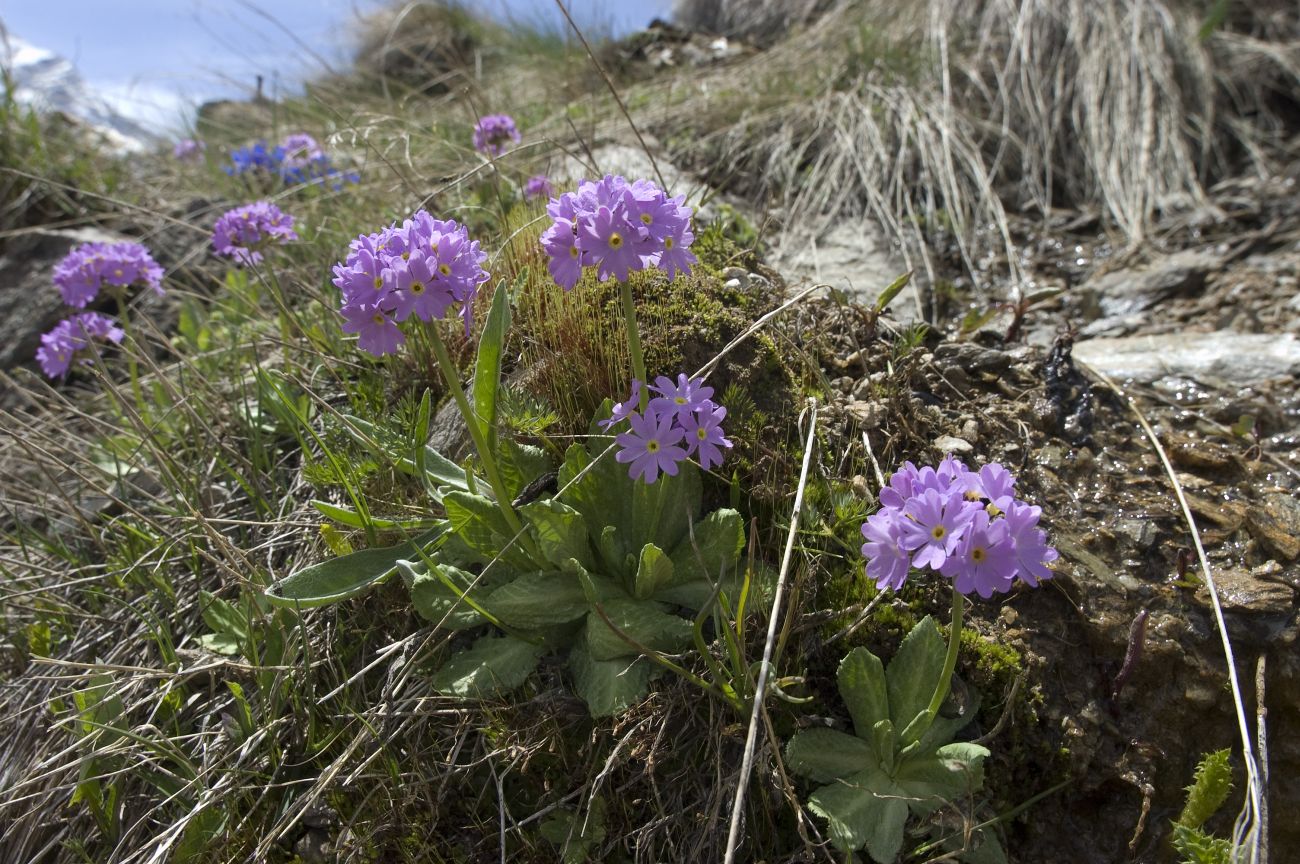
[152, 57]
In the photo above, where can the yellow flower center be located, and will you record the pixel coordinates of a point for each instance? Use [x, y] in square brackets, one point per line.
[406, 256]
[647, 218]
[701, 433]
[938, 532]
[680, 400]
[444, 269]
[573, 251]
[652, 446]
[379, 283]
[615, 241]
[118, 272]
[668, 242]
[379, 318]
[417, 288]
[977, 555]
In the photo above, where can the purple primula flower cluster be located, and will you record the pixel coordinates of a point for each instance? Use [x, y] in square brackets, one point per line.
[617, 227]
[243, 232]
[71, 337]
[90, 266]
[189, 150]
[682, 421]
[419, 268]
[538, 186]
[297, 159]
[966, 525]
[493, 132]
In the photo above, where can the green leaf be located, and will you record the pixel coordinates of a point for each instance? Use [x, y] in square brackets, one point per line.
[1209, 789]
[220, 643]
[943, 728]
[561, 532]
[640, 620]
[862, 686]
[478, 522]
[353, 519]
[952, 772]
[719, 539]
[608, 686]
[654, 571]
[539, 600]
[913, 675]
[347, 576]
[439, 470]
[885, 743]
[203, 829]
[1042, 296]
[863, 810]
[487, 366]
[436, 600]
[643, 513]
[575, 837]
[823, 755]
[223, 617]
[887, 296]
[1214, 18]
[987, 849]
[521, 464]
[495, 665]
[612, 553]
[99, 708]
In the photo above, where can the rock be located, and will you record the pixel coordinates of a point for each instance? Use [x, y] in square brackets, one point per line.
[949, 444]
[971, 357]
[853, 256]
[1275, 523]
[1223, 357]
[448, 433]
[1243, 592]
[29, 303]
[868, 414]
[1121, 297]
[1196, 453]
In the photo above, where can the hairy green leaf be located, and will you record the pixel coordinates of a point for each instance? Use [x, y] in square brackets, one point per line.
[948, 774]
[823, 755]
[346, 576]
[478, 522]
[521, 464]
[863, 810]
[561, 532]
[609, 686]
[862, 686]
[1209, 789]
[539, 600]
[719, 539]
[437, 594]
[642, 621]
[654, 571]
[913, 675]
[495, 665]
[487, 366]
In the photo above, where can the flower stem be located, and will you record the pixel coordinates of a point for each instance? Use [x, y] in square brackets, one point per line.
[451, 375]
[634, 342]
[950, 661]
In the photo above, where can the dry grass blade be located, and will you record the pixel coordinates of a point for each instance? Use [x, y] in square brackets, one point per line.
[764, 667]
